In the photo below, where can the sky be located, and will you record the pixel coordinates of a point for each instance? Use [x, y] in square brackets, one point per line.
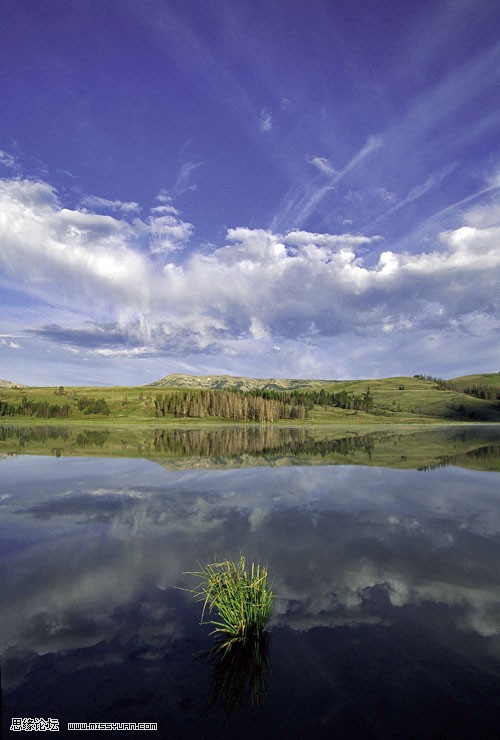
[271, 189]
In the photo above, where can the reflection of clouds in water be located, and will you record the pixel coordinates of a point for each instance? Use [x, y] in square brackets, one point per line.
[339, 488]
[348, 601]
[345, 546]
[151, 627]
[257, 517]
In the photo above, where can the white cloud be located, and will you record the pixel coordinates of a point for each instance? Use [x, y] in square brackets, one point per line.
[259, 286]
[133, 352]
[323, 165]
[266, 120]
[302, 238]
[418, 191]
[168, 233]
[11, 344]
[182, 185]
[163, 196]
[373, 143]
[162, 210]
[8, 161]
[86, 262]
[257, 329]
[183, 182]
[94, 201]
[303, 198]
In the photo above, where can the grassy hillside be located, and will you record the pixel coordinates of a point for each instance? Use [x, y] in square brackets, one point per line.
[481, 379]
[400, 398]
[403, 396]
[395, 400]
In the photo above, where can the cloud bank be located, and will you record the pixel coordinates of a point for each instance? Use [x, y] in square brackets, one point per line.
[130, 284]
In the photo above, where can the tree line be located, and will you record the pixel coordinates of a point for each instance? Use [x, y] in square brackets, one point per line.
[37, 409]
[260, 406]
[231, 405]
[486, 392]
[93, 405]
[478, 390]
[310, 398]
[46, 410]
[256, 405]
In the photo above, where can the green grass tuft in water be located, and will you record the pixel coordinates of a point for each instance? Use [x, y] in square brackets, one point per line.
[242, 600]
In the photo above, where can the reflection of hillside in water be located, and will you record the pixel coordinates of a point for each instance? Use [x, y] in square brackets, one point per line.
[478, 459]
[476, 447]
[266, 441]
[489, 452]
[26, 434]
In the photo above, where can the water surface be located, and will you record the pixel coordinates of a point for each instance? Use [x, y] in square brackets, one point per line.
[386, 621]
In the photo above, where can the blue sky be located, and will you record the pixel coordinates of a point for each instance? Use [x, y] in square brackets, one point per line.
[271, 189]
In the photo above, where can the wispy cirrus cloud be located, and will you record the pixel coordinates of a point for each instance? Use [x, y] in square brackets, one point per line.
[303, 198]
[323, 165]
[8, 161]
[183, 184]
[266, 120]
[124, 352]
[456, 90]
[184, 178]
[418, 191]
[94, 201]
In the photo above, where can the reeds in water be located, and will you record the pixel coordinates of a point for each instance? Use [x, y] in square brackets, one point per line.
[241, 599]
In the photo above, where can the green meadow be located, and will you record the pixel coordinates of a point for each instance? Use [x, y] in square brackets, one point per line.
[399, 400]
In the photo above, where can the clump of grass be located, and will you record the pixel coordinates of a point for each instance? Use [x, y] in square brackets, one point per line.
[241, 599]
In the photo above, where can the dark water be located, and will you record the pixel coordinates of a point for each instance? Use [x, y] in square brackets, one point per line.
[386, 622]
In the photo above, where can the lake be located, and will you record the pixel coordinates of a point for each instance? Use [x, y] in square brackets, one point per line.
[383, 549]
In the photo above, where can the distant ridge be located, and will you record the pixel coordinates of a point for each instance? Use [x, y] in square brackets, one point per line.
[9, 384]
[224, 382]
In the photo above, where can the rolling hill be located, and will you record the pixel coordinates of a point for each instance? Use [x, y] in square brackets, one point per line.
[232, 382]
[9, 384]
[391, 400]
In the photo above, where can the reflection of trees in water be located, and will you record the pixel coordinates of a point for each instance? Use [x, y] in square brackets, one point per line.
[91, 438]
[34, 434]
[488, 452]
[25, 435]
[267, 441]
[481, 454]
[238, 675]
[227, 442]
[230, 442]
[431, 448]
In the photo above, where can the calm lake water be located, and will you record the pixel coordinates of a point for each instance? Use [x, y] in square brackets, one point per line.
[386, 622]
